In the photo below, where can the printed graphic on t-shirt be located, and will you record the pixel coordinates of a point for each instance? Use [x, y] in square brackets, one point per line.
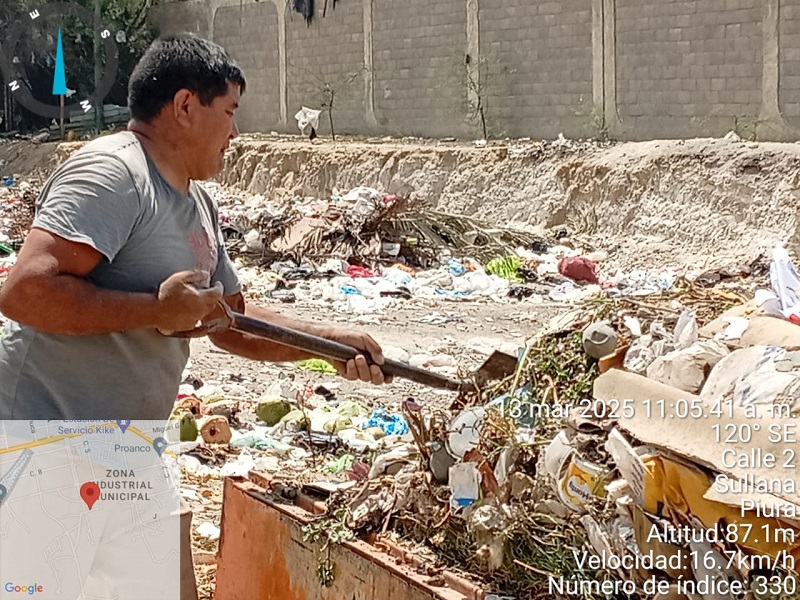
[205, 252]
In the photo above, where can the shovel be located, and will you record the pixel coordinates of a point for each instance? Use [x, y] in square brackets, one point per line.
[497, 366]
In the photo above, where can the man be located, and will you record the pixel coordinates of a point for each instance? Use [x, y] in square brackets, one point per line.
[126, 247]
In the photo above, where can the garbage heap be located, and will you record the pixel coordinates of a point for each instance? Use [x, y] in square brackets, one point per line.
[689, 488]
[363, 252]
[17, 201]
[362, 224]
[640, 450]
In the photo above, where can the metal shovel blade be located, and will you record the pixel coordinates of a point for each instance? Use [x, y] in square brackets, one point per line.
[497, 366]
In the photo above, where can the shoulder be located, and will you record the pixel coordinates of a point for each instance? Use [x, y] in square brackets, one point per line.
[116, 155]
[110, 166]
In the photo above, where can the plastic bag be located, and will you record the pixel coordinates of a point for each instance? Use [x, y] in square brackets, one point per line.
[465, 485]
[307, 116]
[686, 369]
[756, 375]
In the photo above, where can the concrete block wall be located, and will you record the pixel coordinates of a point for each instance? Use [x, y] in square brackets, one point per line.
[686, 67]
[789, 79]
[250, 35]
[190, 16]
[538, 60]
[635, 69]
[328, 52]
[418, 55]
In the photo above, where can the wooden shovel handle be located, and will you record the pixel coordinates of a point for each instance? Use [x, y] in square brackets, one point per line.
[336, 351]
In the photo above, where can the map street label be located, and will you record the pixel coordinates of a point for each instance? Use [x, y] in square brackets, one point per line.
[90, 492]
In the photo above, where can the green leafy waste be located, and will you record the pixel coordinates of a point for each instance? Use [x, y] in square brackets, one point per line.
[506, 267]
[317, 365]
[328, 532]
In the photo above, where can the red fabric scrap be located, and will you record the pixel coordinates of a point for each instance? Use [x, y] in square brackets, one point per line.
[355, 271]
[578, 268]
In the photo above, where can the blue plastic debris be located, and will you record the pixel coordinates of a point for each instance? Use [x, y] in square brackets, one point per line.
[391, 423]
[350, 290]
[458, 294]
[456, 268]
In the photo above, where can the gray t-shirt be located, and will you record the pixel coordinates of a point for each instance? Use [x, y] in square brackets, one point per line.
[111, 196]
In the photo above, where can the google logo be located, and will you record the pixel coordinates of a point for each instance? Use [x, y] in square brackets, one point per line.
[23, 589]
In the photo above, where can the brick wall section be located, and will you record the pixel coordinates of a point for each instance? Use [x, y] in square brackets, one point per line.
[329, 50]
[419, 49]
[250, 35]
[538, 56]
[789, 88]
[686, 68]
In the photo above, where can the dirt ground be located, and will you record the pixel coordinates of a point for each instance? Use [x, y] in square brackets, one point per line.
[24, 157]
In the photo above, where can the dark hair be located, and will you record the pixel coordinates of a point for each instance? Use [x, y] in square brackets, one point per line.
[176, 62]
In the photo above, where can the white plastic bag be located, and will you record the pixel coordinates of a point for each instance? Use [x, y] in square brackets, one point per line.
[685, 333]
[783, 298]
[756, 375]
[686, 369]
[307, 116]
[465, 485]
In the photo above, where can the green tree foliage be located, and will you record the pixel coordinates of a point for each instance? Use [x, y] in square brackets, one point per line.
[35, 52]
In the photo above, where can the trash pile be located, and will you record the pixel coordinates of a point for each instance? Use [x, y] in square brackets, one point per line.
[17, 200]
[624, 449]
[362, 252]
[287, 421]
[558, 275]
[363, 224]
[679, 460]
[629, 433]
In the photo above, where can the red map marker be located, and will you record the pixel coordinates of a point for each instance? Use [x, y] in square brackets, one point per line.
[90, 492]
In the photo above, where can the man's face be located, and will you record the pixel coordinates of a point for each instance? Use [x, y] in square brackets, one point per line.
[212, 132]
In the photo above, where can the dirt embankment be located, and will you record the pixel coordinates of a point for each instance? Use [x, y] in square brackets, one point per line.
[23, 157]
[671, 202]
[691, 202]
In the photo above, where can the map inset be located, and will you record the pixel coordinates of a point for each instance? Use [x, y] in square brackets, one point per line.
[89, 510]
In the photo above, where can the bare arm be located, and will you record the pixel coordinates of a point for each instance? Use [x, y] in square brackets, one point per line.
[46, 290]
[257, 348]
